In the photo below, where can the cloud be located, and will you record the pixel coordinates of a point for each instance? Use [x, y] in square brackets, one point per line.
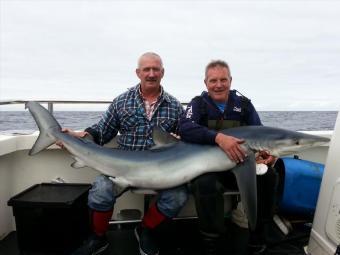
[278, 51]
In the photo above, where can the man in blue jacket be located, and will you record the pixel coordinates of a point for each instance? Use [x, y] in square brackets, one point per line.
[217, 109]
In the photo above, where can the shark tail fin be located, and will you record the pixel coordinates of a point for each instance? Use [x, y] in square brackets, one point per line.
[47, 125]
[43, 141]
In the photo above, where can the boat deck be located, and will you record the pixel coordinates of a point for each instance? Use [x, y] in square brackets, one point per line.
[181, 238]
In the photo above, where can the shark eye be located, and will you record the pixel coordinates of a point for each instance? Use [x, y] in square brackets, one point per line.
[297, 142]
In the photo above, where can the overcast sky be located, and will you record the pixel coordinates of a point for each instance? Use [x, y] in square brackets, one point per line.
[284, 55]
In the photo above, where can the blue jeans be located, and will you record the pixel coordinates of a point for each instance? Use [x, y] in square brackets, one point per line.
[169, 201]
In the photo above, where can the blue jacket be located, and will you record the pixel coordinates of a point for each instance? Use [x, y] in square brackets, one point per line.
[193, 127]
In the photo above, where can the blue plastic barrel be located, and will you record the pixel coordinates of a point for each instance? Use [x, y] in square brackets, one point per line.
[302, 180]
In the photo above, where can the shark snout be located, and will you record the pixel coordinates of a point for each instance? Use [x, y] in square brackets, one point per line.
[319, 141]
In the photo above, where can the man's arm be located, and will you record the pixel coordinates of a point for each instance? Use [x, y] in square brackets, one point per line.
[179, 112]
[106, 128]
[231, 146]
[78, 134]
[100, 133]
[191, 131]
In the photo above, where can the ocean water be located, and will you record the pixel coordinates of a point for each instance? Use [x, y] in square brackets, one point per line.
[22, 122]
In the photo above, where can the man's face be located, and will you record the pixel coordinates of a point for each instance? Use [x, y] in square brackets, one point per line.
[150, 72]
[218, 81]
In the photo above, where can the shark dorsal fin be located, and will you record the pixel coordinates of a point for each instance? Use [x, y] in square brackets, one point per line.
[162, 139]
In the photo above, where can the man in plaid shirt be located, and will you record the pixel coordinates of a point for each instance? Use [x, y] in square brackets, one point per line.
[134, 114]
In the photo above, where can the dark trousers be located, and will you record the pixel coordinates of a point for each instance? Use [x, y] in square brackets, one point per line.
[267, 186]
[208, 192]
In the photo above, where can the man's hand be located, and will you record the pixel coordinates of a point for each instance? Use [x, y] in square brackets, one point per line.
[176, 136]
[78, 134]
[231, 146]
[263, 157]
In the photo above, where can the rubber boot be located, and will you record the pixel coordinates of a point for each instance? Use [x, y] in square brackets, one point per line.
[266, 191]
[257, 243]
[210, 212]
[145, 232]
[97, 241]
[210, 243]
[238, 240]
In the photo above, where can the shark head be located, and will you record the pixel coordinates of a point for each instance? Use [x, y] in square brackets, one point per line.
[294, 142]
[278, 142]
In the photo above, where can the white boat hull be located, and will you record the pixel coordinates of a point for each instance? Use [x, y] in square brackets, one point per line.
[19, 171]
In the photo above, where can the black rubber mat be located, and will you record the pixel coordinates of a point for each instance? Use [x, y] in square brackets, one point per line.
[181, 238]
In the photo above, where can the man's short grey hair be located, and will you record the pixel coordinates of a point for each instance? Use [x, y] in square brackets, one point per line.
[215, 63]
[151, 55]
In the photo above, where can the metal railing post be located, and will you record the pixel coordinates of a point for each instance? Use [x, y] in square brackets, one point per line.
[50, 107]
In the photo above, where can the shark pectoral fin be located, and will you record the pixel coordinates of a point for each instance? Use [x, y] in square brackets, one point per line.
[245, 174]
[78, 163]
[120, 185]
[162, 138]
[43, 141]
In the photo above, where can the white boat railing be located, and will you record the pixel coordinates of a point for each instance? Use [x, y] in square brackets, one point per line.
[51, 103]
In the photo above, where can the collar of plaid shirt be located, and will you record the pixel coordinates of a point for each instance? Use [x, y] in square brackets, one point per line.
[149, 106]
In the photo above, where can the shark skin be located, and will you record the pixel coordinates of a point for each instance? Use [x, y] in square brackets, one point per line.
[175, 163]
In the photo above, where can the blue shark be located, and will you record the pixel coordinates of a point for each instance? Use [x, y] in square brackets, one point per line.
[176, 162]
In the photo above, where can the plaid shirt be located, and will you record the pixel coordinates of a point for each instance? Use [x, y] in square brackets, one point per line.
[127, 115]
